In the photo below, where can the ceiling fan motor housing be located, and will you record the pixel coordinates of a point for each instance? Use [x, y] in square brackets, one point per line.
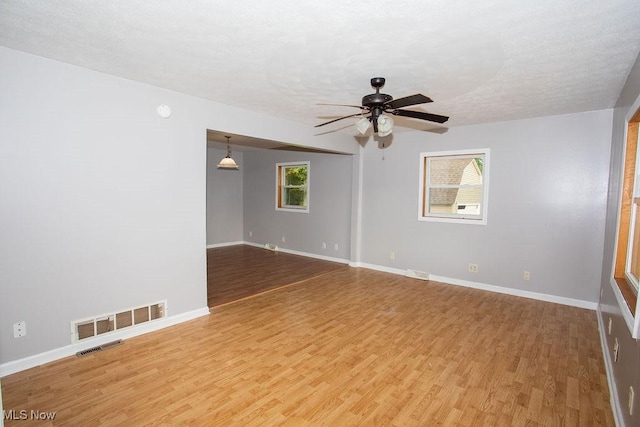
[375, 99]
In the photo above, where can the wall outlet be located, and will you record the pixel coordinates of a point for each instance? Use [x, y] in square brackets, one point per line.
[526, 275]
[251, 234]
[473, 268]
[335, 246]
[392, 255]
[324, 245]
[19, 329]
[283, 239]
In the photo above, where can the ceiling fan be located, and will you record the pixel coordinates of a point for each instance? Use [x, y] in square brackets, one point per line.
[375, 105]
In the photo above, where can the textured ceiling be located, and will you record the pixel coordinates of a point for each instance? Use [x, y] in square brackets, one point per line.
[480, 61]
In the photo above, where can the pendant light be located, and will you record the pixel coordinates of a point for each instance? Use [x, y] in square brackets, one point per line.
[227, 162]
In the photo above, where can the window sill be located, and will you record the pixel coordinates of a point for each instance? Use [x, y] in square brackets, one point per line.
[474, 221]
[630, 297]
[298, 210]
[627, 300]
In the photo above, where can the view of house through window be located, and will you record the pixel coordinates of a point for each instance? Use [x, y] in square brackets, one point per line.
[453, 186]
[292, 186]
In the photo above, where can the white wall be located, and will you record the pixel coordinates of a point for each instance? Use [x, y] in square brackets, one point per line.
[547, 199]
[102, 202]
[224, 199]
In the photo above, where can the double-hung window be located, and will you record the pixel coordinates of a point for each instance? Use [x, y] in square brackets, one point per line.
[292, 186]
[454, 186]
[626, 268]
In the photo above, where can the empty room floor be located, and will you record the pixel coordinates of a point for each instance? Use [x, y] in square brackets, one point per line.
[241, 271]
[350, 347]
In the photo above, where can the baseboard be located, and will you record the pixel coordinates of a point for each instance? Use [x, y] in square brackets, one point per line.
[611, 379]
[378, 268]
[222, 245]
[486, 287]
[294, 252]
[518, 292]
[14, 366]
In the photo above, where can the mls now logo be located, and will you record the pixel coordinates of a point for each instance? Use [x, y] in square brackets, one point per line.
[23, 414]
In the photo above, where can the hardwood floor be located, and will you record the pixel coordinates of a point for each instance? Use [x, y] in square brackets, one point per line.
[349, 347]
[236, 272]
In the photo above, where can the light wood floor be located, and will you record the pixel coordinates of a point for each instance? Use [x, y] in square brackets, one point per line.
[241, 271]
[350, 347]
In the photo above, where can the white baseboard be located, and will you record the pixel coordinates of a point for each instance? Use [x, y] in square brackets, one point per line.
[14, 366]
[378, 268]
[486, 287]
[518, 292]
[222, 245]
[611, 379]
[294, 252]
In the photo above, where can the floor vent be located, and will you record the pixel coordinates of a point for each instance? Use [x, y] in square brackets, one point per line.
[98, 348]
[271, 246]
[103, 324]
[415, 274]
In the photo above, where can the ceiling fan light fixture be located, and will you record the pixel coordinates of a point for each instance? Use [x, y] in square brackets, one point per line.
[228, 162]
[362, 125]
[385, 125]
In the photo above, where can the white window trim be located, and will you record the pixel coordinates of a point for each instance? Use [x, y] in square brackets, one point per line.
[303, 209]
[455, 218]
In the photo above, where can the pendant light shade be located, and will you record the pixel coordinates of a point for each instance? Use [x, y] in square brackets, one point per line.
[362, 125]
[385, 125]
[228, 162]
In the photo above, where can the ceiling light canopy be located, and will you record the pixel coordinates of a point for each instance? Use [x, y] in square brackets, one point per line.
[228, 162]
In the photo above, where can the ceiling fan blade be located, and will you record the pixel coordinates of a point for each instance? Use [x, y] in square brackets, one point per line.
[339, 118]
[344, 105]
[420, 115]
[418, 98]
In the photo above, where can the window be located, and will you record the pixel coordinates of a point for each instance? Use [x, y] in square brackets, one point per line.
[626, 263]
[630, 225]
[454, 186]
[292, 186]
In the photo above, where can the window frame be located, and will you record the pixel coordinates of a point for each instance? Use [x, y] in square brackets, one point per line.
[424, 187]
[631, 236]
[623, 289]
[280, 188]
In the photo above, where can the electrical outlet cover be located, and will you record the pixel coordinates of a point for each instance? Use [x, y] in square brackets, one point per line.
[19, 329]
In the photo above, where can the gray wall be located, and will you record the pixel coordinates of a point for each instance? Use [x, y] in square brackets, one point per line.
[102, 202]
[626, 372]
[224, 198]
[329, 217]
[547, 199]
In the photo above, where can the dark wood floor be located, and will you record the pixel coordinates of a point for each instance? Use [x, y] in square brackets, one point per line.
[237, 272]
